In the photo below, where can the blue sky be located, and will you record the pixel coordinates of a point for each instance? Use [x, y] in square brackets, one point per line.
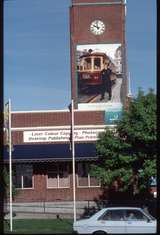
[37, 51]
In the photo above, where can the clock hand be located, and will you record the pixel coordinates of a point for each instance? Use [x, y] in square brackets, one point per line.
[96, 26]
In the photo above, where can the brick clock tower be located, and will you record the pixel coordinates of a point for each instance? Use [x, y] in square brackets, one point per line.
[97, 33]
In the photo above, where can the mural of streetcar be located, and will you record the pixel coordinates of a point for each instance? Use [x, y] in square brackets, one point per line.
[90, 65]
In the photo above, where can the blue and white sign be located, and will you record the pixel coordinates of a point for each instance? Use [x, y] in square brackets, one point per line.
[113, 113]
[112, 117]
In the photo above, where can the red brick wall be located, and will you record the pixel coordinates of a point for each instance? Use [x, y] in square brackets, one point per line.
[94, 1]
[39, 119]
[56, 119]
[111, 15]
[41, 193]
[52, 119]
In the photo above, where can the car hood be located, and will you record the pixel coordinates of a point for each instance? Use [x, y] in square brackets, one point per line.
[81, 222]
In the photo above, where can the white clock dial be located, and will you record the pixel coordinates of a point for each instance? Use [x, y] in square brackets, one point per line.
[97, 27]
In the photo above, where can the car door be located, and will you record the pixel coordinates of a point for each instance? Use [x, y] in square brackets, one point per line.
[140, 223]
[112, 221]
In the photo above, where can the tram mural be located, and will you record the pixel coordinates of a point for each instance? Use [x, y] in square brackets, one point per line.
[99, 73]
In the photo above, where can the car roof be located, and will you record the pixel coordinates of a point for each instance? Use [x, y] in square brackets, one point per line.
[123, 207]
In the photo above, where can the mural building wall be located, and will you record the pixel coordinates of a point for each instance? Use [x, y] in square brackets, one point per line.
[98, 60]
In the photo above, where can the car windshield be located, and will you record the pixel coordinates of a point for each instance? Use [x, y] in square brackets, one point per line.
[149, 215]
[152, 218]
[92, 212]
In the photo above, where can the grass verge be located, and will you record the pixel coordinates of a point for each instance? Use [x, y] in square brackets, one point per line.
[39, 226]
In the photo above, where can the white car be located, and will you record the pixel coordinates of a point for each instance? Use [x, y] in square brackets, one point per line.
[117, 220]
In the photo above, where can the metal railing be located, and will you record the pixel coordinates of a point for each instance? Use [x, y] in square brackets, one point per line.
[83, 208]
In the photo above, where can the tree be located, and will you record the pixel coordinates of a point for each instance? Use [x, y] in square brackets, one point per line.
[6, 184]
[127, 156]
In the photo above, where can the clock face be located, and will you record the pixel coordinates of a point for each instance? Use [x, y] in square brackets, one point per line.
[97, 27]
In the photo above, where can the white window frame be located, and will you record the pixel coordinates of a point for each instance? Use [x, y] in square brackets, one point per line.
[22, 182]
[58, 180]
[89, 182]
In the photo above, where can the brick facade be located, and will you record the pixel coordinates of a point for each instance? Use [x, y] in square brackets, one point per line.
[34, 120]
[51, 119]
[40, 192]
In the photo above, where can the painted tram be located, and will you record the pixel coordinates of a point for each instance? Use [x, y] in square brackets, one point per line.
[89, 69]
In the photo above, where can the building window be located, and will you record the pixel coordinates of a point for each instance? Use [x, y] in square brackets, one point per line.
[58, 177]
[23, 177]
[83, 177]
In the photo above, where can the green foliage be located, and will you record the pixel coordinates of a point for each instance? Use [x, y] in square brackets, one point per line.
[129, 155]
[148, 170]
[6, 184]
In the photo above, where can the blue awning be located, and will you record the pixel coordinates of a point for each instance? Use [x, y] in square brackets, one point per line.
[50, 152]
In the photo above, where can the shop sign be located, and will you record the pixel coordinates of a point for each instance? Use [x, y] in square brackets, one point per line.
[61, 135]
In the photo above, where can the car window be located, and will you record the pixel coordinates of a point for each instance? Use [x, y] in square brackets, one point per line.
[112, 215]
[135, 215]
